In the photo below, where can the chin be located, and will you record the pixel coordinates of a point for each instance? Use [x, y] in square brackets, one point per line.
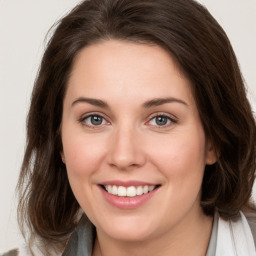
[130, 231]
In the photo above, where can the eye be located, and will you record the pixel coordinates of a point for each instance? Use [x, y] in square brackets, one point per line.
[93, 120]
[161, 121]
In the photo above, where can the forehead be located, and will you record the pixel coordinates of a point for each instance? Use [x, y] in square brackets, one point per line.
[114, 68]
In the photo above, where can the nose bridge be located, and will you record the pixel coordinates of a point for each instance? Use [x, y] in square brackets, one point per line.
[126, 149]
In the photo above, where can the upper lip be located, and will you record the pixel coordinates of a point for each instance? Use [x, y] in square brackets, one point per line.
[128, 183]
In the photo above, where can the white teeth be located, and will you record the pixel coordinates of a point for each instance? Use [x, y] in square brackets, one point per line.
[145, 189]
[139, 190]
[113, 190]
[121, 191]
[109, 188]
[151, 188]
[131, 191]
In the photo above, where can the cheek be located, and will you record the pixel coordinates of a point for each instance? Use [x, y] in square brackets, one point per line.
[188, 156]
[182, 158]
[82, 155]
[179, 151]
[83, 160]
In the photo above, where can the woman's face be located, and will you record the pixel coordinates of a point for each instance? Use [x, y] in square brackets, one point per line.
[130, 125]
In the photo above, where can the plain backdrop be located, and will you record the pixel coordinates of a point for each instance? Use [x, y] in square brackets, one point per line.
[23, 27]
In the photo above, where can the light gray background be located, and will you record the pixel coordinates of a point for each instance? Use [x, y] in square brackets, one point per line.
[23, 26]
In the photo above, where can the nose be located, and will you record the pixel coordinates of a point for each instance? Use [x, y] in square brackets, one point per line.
[126, 151]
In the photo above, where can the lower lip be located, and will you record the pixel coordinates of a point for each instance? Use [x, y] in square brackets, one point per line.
[126, 202]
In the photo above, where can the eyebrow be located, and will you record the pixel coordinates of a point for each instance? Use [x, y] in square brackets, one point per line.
[95, 102]
[148, 104]
[160, 101]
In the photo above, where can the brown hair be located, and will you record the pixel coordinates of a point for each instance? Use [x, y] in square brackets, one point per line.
[200, 46]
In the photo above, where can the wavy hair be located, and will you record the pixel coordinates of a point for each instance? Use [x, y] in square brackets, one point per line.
[193, 37]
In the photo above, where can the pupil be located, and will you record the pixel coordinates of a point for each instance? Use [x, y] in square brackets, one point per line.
[161, 120]
[96, 120]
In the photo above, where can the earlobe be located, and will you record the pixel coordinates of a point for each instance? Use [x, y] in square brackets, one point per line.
[211, 154]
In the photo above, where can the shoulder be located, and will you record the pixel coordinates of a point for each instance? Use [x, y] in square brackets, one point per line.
[24, 251]
[251, 218]
[14, 252]
[19, 251]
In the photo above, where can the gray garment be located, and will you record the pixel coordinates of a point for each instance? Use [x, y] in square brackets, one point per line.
[13, 252]
[82, 240]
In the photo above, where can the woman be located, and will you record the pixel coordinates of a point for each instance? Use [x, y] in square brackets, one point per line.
[140, 138]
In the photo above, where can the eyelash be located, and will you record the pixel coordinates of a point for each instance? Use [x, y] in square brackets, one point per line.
[171, 120]
[82, 120]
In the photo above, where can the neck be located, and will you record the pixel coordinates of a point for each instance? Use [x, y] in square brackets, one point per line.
[190, 237]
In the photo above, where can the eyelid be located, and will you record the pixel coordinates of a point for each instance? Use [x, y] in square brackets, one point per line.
[172, 118]
[86, 115]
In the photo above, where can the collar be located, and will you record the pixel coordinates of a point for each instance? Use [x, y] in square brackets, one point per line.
[235, 237]
[229, 237]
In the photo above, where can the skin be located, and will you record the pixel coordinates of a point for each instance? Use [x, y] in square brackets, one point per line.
[130, 145]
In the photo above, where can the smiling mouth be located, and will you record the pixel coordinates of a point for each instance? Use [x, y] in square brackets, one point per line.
[130, 191]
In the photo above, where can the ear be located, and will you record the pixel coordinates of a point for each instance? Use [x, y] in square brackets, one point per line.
[63, 157]
[211, 154]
